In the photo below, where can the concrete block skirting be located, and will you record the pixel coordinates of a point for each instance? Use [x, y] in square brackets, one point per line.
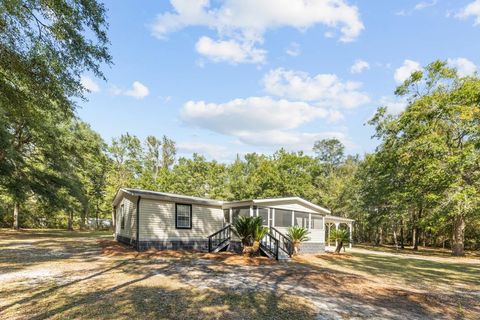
[235, 246]
[201, 245]
[125, 240]
[312, 247]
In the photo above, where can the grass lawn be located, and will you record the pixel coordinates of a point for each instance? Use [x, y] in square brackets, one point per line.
[70, 275]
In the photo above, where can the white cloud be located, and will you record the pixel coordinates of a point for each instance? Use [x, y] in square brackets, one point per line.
[326, 90]
[291, 140]
[464, 66]
[89, 84]
[258, 120]
[246, 21]
[293, 49]
[471, 10]
[425, 4]
[359, 66]
[213, 151]
[230, 51]
[394, 105]
[250, 114]
[404, 72]
[138, 91]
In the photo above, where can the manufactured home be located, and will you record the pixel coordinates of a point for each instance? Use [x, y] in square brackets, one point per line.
[149, 219]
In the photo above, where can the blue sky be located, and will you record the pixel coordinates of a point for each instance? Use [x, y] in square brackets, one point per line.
[229, 77]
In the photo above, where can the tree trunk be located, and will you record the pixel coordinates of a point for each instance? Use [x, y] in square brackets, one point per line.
[70, 221]
[83, 218]
[114, 212]
[458, 235]
[402, 245]
[16, 211]
[380, 240]
[339, 247]
[395, 238]
[414, 232]
[414, 238]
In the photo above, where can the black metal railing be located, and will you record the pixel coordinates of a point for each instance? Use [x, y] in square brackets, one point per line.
[284, 243]
[220, 238]
[270, 245]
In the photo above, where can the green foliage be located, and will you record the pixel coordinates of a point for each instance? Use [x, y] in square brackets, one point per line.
[340, 235]
[249, 229]
[329, 151]
[259, 232]
[297, 234]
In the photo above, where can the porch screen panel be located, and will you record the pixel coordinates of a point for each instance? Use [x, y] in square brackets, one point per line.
[317, 222]
[245, 211]
[301, 219]
[283, 218]
[263, 212]
[226, 215]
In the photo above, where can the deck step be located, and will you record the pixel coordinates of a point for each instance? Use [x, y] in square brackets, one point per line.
[221, 247]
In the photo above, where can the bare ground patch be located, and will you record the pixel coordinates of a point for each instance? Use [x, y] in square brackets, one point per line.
[99, 278]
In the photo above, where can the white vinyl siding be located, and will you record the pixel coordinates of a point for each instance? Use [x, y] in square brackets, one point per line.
[129, 217]
[157, 221]
[289, 207]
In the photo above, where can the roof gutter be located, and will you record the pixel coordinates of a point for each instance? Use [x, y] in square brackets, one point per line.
[137, 244]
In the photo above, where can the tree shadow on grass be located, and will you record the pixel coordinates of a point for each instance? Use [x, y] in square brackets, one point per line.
[131, 301]
[414, 271]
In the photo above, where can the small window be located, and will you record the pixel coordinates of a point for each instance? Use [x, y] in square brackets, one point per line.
[122, 217]
[317, 222]
[301, 219]
[283, 218]
[226, 216]
[183, 216]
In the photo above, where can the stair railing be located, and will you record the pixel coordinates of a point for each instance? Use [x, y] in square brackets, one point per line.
[284, 243]
[270, 244]
[219, 238]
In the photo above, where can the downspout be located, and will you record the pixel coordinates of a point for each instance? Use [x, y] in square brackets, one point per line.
[137, 244]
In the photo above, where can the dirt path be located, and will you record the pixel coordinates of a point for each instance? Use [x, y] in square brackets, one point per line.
[48, 277]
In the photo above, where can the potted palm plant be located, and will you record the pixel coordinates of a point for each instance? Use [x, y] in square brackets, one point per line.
[259, 232]
[250, 231]
[297, 235]
[340, 236]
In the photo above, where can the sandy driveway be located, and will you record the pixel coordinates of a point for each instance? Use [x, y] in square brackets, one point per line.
[49, 277]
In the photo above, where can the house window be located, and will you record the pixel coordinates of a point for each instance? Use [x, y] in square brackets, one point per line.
[226, 216]
[283, 218]
[317, 222]
[183, 216]
[301, 219]
[122, 217]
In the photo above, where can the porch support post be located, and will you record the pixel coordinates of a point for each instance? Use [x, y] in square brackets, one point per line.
[230, 213]
[350, 232]
[251, 211]
[272, 212]
[336, 229]
[328, 238]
